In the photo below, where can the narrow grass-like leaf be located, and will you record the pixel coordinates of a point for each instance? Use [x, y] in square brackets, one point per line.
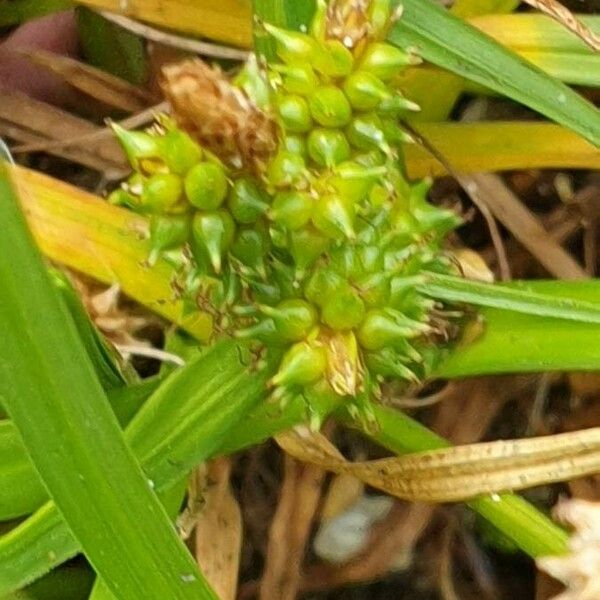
[111, 48]
[227, 20]
[21, 490]
[49, 389]
[499, 146]
[521, 300]
[509, 342]
[449, 42]
[188, 419]
[290, 14]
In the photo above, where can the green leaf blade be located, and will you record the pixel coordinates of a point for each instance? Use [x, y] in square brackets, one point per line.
[49, 388]
[449, 42]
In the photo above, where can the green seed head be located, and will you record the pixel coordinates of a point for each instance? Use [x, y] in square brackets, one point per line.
[206, 186]
[320, 250]
[330, 107]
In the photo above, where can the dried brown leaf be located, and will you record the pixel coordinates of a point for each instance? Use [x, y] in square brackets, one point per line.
[98, 84]
[463, 472]
[218, 536]
[27, 120]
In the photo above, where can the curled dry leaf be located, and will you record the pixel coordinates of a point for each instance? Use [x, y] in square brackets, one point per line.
[463, 472]
[579, 569]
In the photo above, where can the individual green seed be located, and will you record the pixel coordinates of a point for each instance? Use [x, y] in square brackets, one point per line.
[375, 289]
[343, 309]
[386, 61]
[318, 24]
[333, 59]
[387, 362]
[162, 193]
[322, 283]
[206, 186]
[333, 216]
[253, 81]
[328, 147]
[383, 327]
[292, 46]
[212, 234]
[298, 78]
[265, 292]
[366, 132]
[294, 113]
[286, 169]
[167, 232]
[296, 144]
[293, 318]
[250, 247]
[380, 17]
[265, 331]
[396, 104]
[179, 151]
[353, 180]
[121, 197]
[247, 202]
[365, 91]
[306, 245]
[330, 107]
[291, 209]
[137, 145]
[302, 364]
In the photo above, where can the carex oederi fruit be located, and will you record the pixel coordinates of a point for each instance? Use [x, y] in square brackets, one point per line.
[284, 191]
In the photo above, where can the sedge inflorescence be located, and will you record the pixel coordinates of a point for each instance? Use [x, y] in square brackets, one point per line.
[285, 190]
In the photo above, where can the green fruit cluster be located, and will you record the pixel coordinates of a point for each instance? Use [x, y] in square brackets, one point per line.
[321, 254]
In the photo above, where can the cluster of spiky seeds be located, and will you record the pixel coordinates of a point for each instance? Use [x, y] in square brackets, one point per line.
[289, 195]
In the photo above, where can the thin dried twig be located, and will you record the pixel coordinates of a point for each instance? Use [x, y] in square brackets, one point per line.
[290, 529]
[565, 17]
[523, 224]
[483, 209]
[176, 41]
[106, 133]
